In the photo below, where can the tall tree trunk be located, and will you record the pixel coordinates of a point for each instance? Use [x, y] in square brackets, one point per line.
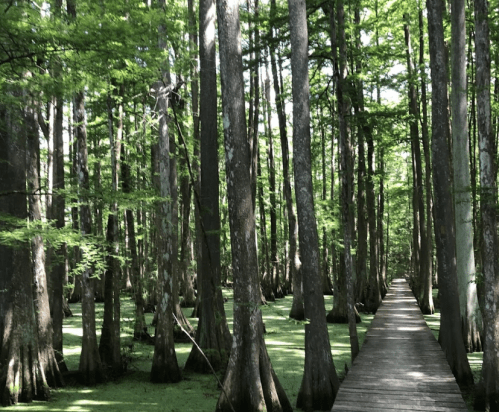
[374, 290]
[327, 287]
[362, 278]
[380, 223]
[472, 140]
[250, 382]
[465, 260]
[450, 336]
[140, 328]
[297, 309]
[421, 247]
[181, 320]
[76, 292]
[427, 296]
[164, 364]
[97, 209]
[212, 334]
[109, 356]
[253, 100]
[345, 274]
[60, 307]
[21, 372]
[320, 382]
[90, 369]
[58, 275]
[339, 311]
[488, 206]
[273, 198]
[266, 270]
[346, 184]
[196, 165]
[46, 355]
[188, 295]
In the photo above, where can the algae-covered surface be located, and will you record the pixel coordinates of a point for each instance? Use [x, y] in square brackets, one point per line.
[133, 392]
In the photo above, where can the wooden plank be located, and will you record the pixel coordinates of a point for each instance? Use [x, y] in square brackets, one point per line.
[401, 366]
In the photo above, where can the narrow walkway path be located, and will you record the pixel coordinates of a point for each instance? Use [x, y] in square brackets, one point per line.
[401, 366]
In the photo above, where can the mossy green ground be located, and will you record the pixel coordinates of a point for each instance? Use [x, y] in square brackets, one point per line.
[133, 392]
[197, 393]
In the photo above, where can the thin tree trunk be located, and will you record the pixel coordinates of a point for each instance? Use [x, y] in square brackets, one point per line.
[294, 259]
[59, 305]
[140, 328]
[362, 278]
[273, 202]
[188, 296]
[181, 319]
[421, 247]
[196, 165]
[327, 288]
[346, 180]
[109, 356]
[266, 270]
[76, 291]
[427, 296]
[90, 369]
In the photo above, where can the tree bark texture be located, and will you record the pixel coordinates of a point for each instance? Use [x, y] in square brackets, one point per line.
[346, 181]
[250, 383]
[164, 365]
[470, 313]
[422, 271]
[361, 261]
[450, 336]
[46, 353]
[488, 206]
[427, 296]
[273, 201]
[90, 368]
[320, 382]
[189, 298]
[59, 272]
[265, 266]
[21, 372]
[212, 335]
[181, 320]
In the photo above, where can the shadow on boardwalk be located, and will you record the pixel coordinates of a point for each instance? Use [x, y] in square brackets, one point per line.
[401, 366]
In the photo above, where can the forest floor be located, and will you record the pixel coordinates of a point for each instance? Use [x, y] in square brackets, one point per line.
[195, 393]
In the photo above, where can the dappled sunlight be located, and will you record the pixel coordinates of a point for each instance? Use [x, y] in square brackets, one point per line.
[417, 375]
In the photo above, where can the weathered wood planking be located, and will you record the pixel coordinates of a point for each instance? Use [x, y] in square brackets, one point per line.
[401, 366]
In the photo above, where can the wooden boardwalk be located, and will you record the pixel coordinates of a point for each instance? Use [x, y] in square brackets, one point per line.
[401, 366]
